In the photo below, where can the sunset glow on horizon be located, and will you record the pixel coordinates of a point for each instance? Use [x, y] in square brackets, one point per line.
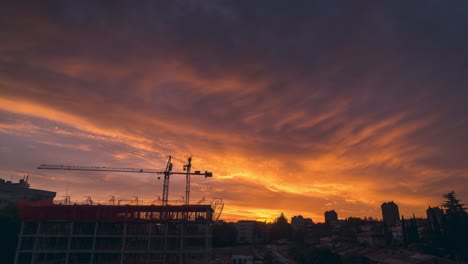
[297, 109]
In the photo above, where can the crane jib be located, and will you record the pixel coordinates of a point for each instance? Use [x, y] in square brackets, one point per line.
[87, 168]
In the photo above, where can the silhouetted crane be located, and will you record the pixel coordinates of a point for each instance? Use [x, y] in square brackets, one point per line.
[167, 172]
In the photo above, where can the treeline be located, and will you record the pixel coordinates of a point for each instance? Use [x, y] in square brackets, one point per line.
[448, 232]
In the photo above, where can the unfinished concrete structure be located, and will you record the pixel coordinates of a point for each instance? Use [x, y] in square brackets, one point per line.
[11, 192]
[53, 233]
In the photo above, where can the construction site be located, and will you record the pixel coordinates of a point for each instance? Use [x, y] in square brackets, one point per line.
[163, 232]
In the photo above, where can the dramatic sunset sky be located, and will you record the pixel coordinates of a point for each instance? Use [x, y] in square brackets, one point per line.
[296, 107]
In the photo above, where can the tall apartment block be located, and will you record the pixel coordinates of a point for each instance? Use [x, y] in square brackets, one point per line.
[390, 214]
[331, 216]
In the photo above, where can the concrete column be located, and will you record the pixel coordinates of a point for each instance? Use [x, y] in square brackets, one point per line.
[124, 236]
[148, 247]
[34, 253]
[208, 237]
[69, 242]
[93, 248]
[18, 245]
[182, 244]
[165, 225]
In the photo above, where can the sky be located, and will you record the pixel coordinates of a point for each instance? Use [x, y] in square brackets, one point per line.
[296, 107]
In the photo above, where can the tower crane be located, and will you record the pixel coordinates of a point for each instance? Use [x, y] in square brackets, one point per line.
[167, 172]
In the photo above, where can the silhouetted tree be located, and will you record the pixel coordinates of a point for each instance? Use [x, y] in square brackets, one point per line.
[413, 235]
[280, 228]
[282, 220]
[404, 231]
[452, 205]
[455, 226]
[435, 231]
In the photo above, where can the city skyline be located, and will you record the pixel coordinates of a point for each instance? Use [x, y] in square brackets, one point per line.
[22, 190]
[298, 108]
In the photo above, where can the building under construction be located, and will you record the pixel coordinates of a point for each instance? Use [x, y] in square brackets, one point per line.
[165, 233]
[52, 233]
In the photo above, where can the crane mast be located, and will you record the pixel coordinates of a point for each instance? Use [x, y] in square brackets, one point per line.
[187, 168]
[167, 172]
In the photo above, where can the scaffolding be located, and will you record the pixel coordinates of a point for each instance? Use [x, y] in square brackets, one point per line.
[80, 234]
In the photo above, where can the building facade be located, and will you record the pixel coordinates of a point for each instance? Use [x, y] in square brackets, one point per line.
[250, 231]
[79, 234]
[298, 222]
[390, 214]
[330, 216]
[435, 218]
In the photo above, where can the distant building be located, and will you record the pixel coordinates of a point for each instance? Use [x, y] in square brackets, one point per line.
[330, 216]
[245, 231]
[298, 222]
[11, 192]
[249, 232]
[390, 214]
[435, 218]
